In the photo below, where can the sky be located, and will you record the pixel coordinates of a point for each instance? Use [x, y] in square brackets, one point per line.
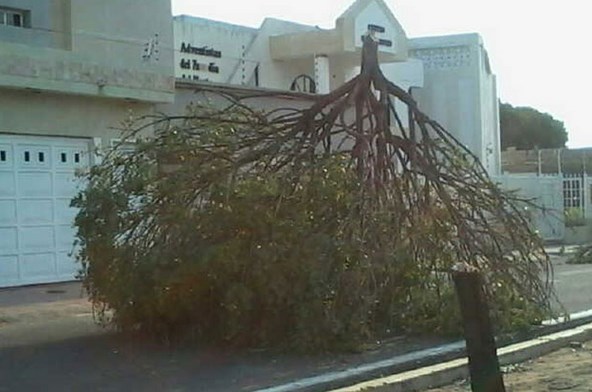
[540, 50]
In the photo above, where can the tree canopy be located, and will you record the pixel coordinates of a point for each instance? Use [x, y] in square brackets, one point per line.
[313, 229]
[526, 128]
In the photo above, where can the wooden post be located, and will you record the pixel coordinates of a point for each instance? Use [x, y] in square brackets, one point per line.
[484, 366]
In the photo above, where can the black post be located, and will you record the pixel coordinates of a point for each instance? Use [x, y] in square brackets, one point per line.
[484, 366]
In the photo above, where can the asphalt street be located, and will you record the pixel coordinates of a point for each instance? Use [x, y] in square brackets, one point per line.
[48, 341]
[573, 284]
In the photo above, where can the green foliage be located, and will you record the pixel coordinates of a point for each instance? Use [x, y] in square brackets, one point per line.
[526, 128]
[574, 217]
[176, 243]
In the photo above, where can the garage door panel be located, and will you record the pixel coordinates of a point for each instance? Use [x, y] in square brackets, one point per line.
[66, 184]
[65, 265]
[33, 156]
[35, 212]
[8, 240]
[9, 268]
[69, 157]
[64, 214]
[7, 212]
[36, 238]
[38, 265]
[65, 235]
[35, 184]
[8, 188]
[6, 156]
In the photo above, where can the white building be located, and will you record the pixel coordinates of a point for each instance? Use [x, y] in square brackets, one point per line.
[450, 76]
[72, 70]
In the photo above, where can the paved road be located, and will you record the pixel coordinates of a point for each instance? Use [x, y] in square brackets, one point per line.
[573, 284]
[51, 343]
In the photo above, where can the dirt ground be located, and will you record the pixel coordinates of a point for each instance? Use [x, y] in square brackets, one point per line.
[569, 369]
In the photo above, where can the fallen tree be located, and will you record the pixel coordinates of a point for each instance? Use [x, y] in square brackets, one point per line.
[315, 228]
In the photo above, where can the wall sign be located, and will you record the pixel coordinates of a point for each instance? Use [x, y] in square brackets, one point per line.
[190, 66]
[201, 51]
[379, 29]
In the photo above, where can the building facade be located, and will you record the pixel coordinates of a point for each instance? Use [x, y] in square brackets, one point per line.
[70, 71]
[450, 76]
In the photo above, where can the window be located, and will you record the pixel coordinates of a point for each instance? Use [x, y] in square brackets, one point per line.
[572, 194]
[574, 200]
[12, 17]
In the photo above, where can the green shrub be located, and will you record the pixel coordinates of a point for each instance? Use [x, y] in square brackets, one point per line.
[574, 217]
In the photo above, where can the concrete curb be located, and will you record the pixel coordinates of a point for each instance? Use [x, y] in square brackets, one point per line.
[448, 372]
[432, 358]
[565, 250]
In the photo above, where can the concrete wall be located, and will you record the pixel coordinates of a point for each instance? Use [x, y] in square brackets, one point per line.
[547, 192]
[240, 50]
[231, 41]
[189, 92]
[460, 92]
[92, 48]
[49, 114]
[48, 23]
[548, 161]
[490, 124]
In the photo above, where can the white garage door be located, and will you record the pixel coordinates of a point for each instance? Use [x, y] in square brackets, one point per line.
[37, 182]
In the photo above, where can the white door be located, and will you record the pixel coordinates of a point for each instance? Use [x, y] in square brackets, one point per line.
[37, 182]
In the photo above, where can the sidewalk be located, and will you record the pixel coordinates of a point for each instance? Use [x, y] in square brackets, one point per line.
[52, 344]
[49, 341]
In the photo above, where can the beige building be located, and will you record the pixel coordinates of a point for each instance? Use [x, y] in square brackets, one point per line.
[70, 71]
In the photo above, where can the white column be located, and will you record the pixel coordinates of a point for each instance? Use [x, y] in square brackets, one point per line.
[322, 74]
[97, 152]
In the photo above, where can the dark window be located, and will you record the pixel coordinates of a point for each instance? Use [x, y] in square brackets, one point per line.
[41, 157]
[13, 17]
[77, 157]
[27, 156]
[16, 20]
[2, 155]
[63, 157]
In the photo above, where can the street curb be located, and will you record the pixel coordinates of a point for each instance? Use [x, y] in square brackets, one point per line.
[423, 359]
[448, 372]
